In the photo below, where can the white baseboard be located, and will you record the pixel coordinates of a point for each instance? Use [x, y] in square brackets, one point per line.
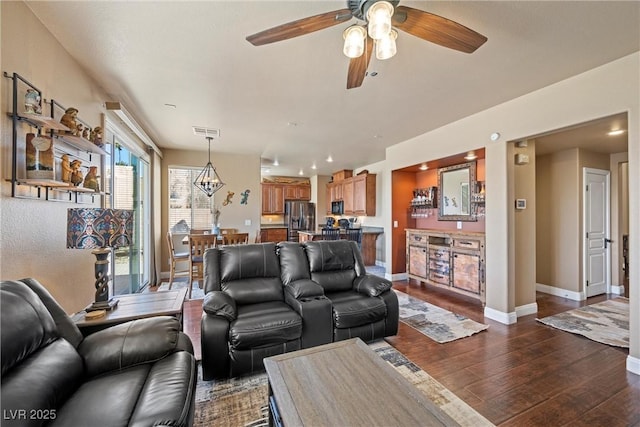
[396, 276]
[617, 290]
[527, 309]
[381, 264]
[499, 316]
[633, 365]
[559, 292]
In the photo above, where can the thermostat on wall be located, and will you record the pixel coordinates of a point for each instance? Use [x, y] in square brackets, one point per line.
[521, 203]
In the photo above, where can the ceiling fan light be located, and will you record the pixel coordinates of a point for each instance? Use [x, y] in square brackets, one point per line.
[386, 46]
[354, 41]
[379, 17]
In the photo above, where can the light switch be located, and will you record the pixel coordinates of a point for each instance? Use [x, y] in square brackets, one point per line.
[247, 222]
[395, 224]
[459, 225]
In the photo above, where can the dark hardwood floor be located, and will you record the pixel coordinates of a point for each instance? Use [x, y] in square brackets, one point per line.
[526, 374]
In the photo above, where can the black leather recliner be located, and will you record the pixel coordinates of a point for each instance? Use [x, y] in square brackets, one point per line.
[245, 315]
[140, 373]
[363, 305]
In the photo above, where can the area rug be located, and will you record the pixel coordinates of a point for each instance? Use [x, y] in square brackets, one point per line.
[242, 401]
[606, 322]
[437, 323]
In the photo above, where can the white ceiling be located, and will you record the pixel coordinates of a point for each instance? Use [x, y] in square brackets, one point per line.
[288, 100]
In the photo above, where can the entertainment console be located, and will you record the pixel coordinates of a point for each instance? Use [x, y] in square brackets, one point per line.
[447, 259]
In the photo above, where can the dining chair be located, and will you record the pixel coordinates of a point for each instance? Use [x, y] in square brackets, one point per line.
[176, 257]
[235, 239]
[224, 231]
[198, 243]
[354, 234]
[330, 233]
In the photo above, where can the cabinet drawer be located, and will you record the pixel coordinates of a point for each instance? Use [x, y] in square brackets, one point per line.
[466, 243]
[439, 277]
[439, 266]
[417, 239]
[439, 253]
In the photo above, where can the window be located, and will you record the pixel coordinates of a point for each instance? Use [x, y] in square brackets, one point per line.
[186, 202]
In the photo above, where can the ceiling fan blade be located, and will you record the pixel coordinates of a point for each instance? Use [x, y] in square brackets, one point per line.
[436, 29]
[358, 66]
[300, 27]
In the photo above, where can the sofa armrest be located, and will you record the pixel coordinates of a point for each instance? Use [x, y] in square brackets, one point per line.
[131, 343]
[218, 303]
[371, 285]
[304, 288]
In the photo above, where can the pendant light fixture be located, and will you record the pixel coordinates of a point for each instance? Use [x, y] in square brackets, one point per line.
[208, 180]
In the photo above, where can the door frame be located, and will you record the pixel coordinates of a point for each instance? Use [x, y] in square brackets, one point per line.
[585, 246]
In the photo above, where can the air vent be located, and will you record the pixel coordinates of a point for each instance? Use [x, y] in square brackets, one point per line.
[206, 132]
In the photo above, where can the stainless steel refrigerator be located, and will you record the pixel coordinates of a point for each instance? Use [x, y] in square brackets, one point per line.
[299, 216]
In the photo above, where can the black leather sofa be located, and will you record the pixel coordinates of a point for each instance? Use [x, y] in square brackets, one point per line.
[267, 299]
[140, 373]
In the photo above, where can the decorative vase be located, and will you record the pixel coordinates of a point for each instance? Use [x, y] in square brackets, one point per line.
[32, 103]
[215, 229]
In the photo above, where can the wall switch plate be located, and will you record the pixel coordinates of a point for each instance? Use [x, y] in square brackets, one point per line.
[459, 225]
[247, 222]
[395, 224]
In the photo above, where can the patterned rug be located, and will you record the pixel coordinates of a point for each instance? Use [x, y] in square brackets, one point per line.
[242, 401]
[606, 322]
[437, 323]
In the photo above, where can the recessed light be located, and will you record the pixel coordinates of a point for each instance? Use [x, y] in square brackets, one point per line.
[313, 166]
[329, 159]
[276, 163]
[301, 172]
[616, 132]
[170, 105]
[495, 136]
[424, 167]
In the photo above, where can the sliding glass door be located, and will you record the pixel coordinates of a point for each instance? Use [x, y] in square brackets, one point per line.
[128, 184]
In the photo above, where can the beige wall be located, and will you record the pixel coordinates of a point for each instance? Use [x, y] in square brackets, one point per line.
[525, 226]
[33, 232]
[560, 216]
[238, 172]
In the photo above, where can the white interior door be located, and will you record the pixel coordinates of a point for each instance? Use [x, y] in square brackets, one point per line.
[597, 254]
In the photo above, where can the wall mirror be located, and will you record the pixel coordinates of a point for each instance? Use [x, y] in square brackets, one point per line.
[455, 187]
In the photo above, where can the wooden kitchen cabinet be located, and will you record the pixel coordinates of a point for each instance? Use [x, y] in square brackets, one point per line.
[273, 235]
[364, 195]
[297, 192]
[272, 199]
[447, 259]
[347, 196]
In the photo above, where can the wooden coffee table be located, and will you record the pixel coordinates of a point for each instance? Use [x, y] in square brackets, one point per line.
[345, 383]
[135, 306]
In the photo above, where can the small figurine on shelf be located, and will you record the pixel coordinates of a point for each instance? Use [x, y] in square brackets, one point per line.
[32, 104]
[91, 179]
[85, 133]
[66, 168]
[96, 136]
[76, 173]
[79, 129]
[69, 119]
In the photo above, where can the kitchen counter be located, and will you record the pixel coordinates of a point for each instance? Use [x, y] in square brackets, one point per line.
[368, 244]
[265, 226]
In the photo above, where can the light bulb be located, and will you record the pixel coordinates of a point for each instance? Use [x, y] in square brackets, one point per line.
[354, 41]
[386, 46]
[379, 17]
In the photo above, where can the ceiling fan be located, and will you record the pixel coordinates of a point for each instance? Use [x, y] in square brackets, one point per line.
[380, 16]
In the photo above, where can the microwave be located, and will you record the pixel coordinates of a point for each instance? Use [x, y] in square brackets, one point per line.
[337, 207]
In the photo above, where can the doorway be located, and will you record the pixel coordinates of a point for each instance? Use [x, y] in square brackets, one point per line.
[562, 266]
